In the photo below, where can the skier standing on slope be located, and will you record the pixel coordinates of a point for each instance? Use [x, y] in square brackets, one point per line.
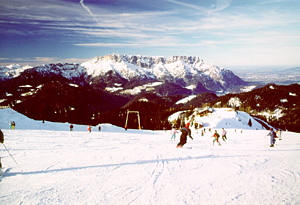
[173, 132]
[183, 137]
[216, 138]
[1, 141]
[278, 134]
[224, 134]
[272, 135]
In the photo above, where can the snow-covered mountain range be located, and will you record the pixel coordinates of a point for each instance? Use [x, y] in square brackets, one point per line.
[120, 72]
[187, 71]
[103, 88]
[12, 71]
[83, 93]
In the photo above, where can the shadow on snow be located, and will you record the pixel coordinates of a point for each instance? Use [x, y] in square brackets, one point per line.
[115, 165]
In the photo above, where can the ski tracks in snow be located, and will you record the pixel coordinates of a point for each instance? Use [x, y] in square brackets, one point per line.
[130, 168]
[150, 184]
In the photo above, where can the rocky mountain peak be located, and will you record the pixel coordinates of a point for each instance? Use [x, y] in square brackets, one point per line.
[187, 59]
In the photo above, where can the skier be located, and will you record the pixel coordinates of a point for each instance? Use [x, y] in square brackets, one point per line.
[89, 129]
[278, 133]
[272, 135]
[1, 141]
[183, 137]
[71, 127]
[13, 125]
[173, 132]
[216, 138]
[224, 132]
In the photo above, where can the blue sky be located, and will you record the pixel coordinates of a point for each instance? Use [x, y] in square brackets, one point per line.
[228, 33]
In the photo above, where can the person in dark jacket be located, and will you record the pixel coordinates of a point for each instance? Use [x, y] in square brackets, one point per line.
[71, 127]
[1, 141]
[183, 137]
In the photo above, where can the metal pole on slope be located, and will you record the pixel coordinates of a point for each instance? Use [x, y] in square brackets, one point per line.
[12, 157]
[126, 120]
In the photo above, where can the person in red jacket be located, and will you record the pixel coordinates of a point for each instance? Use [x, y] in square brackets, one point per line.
[216, 137]
[183, 137]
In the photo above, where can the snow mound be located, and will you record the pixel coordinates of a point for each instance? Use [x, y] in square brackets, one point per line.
[25, 123]
[221, 118]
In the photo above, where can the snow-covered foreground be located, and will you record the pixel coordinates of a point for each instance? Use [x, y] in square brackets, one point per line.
[145, 167]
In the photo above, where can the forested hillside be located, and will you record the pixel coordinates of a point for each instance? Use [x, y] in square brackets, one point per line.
[279, 105]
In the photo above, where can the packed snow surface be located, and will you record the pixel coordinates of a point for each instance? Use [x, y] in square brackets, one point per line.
[114, 166]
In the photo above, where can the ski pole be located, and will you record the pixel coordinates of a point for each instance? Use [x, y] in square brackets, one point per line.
[12, 157]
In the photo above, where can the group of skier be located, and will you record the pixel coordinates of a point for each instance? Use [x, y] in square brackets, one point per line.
[89, 128]
[12, 125]
[185, 131]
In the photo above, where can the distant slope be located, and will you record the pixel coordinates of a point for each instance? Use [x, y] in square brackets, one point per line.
[277, 104]
[25, 123]
[220, 118]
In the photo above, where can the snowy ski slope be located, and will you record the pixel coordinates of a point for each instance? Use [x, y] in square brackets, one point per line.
[145, 167]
